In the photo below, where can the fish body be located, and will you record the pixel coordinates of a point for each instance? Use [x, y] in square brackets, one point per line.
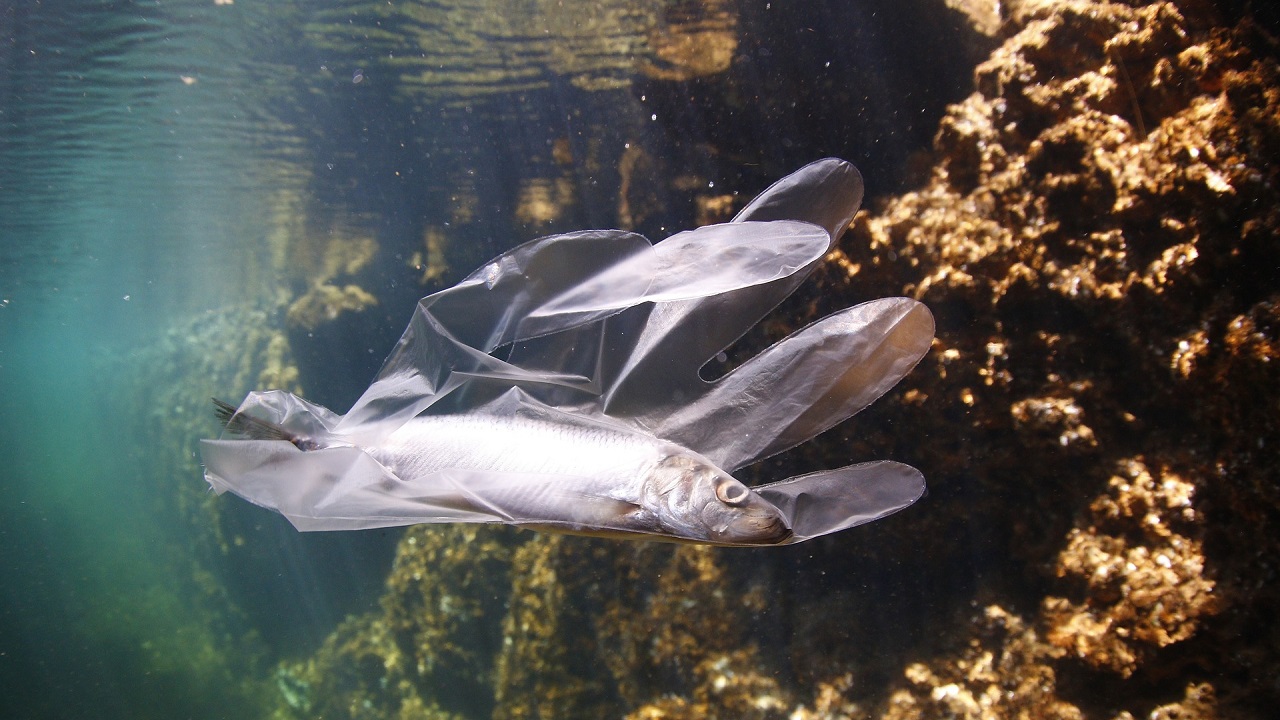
[584, 478]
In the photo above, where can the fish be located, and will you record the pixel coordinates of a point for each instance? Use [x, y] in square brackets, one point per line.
[560, 388]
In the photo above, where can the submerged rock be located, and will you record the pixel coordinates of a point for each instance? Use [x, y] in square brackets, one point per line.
[1097, 235]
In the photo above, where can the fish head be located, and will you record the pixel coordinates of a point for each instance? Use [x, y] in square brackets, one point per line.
[697, 501]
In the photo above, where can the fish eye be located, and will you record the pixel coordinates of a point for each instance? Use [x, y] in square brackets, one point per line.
[731, 492]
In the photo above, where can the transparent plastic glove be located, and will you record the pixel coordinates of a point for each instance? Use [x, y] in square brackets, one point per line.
[557, 387]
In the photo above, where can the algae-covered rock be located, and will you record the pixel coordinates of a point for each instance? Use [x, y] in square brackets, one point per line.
[324, 302]
[1137, 571]
[1096, 235]
[189, 632]
[493, 622]
[324, 299]
[428, 653]
[1005, 671]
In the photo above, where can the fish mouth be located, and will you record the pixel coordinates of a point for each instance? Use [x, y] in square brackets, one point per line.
[757, 531]
[778, 534]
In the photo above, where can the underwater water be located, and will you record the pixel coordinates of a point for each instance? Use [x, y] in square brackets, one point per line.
[201, 198]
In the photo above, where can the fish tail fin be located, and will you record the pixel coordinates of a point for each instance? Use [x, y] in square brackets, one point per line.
[240, 423]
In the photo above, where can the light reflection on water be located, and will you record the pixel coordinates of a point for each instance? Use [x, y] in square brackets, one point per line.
[133, 146]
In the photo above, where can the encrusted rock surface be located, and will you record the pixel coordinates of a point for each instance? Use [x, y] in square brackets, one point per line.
[1098, 240]
[1139, 582]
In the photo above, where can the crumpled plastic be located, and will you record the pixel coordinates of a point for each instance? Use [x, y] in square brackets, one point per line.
[603, 327]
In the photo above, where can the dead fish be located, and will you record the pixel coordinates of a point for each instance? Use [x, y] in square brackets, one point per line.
[558, 388]
[501, 463]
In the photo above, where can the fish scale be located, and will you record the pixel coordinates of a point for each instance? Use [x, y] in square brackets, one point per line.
[427, 445]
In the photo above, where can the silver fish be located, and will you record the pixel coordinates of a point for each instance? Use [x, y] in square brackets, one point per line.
[566, 476]
[596, 421]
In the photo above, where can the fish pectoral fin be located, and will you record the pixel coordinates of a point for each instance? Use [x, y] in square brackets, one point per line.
[588, 511]
[527, 498]
[602, 516]
[468, 487]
